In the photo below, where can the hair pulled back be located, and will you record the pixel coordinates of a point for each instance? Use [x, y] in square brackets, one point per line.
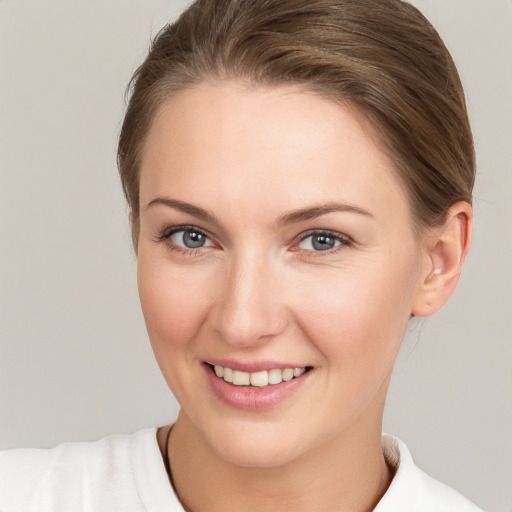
[382, 55]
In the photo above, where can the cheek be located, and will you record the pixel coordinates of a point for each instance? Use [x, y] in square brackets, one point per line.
[358, 314]
[172, 303]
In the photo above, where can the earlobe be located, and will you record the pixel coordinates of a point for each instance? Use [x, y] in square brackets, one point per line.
[446, 250]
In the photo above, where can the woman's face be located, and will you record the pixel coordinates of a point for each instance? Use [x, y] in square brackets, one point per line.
[274, 234]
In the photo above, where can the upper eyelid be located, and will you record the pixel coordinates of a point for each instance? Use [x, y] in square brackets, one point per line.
[171, 230]
[336, 234]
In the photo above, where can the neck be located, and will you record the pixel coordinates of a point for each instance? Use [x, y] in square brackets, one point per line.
[346, 473]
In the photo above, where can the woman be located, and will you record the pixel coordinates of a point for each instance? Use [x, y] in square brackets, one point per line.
[299, 177]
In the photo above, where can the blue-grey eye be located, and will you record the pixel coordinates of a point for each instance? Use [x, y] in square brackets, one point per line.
[320, 242]
[191, 239]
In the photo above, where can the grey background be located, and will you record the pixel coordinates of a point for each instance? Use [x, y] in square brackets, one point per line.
[75, 363]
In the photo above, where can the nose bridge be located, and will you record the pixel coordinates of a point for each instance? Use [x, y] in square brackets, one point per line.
[249, 311]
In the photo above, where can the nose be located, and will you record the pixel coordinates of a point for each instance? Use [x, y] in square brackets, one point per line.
[249, 309]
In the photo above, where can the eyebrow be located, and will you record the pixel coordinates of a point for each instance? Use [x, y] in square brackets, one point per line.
[195, 211]
[293, 217]
[316, 211]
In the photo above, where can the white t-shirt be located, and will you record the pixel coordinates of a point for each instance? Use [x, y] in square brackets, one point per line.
[125, 473]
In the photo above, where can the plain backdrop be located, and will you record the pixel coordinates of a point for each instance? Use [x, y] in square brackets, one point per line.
[75, 362]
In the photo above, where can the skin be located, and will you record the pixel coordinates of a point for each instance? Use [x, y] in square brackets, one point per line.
[259, 291]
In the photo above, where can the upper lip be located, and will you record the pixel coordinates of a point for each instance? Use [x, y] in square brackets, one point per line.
[252, 366]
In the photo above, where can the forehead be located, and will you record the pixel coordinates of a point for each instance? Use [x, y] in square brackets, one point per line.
[246, 146]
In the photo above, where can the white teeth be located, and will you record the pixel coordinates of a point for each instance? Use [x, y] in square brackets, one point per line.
[257, 379]
[275, 376]
[228, 375]
[287, 374]
[241, 378]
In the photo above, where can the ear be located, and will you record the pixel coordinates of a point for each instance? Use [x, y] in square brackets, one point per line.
[446, 248]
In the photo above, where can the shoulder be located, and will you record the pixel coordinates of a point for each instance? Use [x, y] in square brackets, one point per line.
[109, 474]
[412, 490]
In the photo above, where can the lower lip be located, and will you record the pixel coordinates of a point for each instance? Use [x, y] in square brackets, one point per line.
[253, 398]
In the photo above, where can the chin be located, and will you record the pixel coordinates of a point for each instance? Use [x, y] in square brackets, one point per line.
[259, 444]
[256, 455]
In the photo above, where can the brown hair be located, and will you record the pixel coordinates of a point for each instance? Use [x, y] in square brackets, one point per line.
[383, 55]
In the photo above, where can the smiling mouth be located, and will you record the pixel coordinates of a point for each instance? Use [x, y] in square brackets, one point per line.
[260, 379]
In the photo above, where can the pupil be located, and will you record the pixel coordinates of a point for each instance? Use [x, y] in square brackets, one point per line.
[193, 239]
[323, 243]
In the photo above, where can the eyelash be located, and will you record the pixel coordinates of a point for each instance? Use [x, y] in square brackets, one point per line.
[344, 241]
[186, 251]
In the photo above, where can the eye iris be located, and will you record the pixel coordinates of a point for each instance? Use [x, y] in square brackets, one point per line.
[193, 239]
[323, 242]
